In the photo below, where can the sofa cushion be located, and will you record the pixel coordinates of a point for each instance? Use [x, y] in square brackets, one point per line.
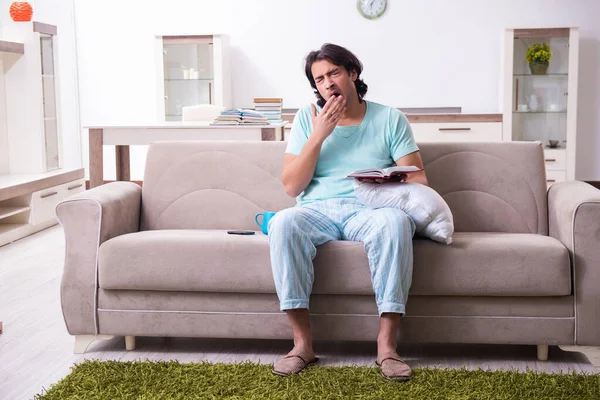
[489, 186]
[476, 264]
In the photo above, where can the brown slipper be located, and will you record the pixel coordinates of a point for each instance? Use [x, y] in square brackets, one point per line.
[393, 367]
[293, 363]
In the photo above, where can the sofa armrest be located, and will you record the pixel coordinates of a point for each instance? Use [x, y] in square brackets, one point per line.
[89, 219]
[574, 219]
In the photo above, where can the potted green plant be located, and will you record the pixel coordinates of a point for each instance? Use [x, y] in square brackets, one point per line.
[538, 57]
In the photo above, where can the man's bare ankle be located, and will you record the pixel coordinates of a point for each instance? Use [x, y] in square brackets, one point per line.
[304, 346]
[385, 346]
[301, 344]
[386, 341]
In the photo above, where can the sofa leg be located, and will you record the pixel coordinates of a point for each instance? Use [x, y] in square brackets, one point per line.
[542, 352]
[130, 342]
[83, 341]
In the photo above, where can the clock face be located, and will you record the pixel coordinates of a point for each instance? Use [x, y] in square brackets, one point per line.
[371, 9]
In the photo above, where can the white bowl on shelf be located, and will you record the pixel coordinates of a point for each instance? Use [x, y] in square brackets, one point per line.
[555, 108]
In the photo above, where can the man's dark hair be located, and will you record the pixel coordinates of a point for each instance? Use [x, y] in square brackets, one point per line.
[339, 56]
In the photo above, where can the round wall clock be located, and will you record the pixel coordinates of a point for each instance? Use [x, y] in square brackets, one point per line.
[371, 9]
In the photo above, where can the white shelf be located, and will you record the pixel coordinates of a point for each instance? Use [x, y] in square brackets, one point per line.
[540, 112]
[9, 180]
[542, 75]
[9, 211]
[11, 47]
[189, 79]
[5, 228]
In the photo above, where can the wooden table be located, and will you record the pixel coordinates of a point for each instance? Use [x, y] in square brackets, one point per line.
[124, 136]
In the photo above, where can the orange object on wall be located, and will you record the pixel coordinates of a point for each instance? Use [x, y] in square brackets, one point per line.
[20, 11]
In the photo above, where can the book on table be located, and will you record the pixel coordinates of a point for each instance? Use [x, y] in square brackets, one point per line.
[396, 170]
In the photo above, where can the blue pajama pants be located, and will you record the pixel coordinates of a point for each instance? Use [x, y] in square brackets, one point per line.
[386, 233]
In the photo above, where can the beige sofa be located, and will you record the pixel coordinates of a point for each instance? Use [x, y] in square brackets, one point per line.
[524, 267]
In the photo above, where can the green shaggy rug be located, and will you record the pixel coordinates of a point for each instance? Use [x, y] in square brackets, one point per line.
[172, 380]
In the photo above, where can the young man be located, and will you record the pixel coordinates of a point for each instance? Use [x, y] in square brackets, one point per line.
[343, 134]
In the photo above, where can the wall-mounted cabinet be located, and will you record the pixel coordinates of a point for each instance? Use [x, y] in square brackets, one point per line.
[191, 70]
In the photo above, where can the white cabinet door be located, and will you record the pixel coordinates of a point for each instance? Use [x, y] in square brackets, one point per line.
[555, 159]
[72, 188]
[457, 131]
[44, 202]
[555, 176]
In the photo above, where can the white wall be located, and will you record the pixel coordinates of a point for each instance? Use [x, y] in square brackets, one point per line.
[60, 13]
[421, 53]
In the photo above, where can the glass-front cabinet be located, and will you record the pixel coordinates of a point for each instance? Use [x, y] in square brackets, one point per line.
[31, 84]
[49, 100]
[540, 94]
[193, 70]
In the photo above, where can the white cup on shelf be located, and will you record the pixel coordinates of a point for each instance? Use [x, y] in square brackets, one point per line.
[523, 108]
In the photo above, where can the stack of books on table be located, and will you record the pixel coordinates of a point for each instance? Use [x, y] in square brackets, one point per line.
[240, 117]
[228, 117]
[252, 117]
[270, 107]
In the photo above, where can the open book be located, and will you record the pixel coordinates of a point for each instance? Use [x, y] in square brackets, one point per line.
[383, 172]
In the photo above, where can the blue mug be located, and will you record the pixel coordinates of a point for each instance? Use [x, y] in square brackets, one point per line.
[264, 226]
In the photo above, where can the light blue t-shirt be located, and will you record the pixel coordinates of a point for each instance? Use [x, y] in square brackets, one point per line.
[383, 136]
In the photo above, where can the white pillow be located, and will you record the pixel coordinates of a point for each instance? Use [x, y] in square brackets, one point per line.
[424, 205]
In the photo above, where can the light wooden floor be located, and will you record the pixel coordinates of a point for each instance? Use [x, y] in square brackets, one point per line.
[36, 350]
